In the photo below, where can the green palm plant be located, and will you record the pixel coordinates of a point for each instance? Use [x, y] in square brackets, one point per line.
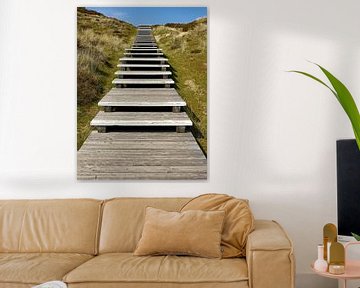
[344, 97]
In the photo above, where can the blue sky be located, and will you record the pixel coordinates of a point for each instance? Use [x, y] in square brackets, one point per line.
[153, 15]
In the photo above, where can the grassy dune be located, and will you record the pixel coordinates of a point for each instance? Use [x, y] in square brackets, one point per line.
[100, 42]
[186, 47]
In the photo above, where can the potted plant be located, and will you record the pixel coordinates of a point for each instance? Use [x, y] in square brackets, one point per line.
[349, 184]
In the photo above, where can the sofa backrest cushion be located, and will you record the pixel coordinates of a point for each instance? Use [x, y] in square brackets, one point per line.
[64, 226]
[123, 220]
[239, 220]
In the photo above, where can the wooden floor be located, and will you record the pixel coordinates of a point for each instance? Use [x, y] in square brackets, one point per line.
[151, 144]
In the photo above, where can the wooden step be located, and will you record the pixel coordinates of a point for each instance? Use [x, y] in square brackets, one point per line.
[144, 49]
[152, 59]
[162, 66]
[147, 41]
[139, 97]
[145, 45]
[130, 119]
[144, 54]
[148, 36]
[118, 81]
[144, 41]
[142, 73]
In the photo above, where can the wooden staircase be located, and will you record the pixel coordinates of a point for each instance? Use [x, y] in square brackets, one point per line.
[143, 88]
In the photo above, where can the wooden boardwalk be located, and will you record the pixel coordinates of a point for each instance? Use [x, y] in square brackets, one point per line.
[143, 131]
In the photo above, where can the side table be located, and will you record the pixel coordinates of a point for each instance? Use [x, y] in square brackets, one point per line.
[352, 269]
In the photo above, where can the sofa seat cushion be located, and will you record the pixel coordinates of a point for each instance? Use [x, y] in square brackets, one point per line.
[36, 268]
[127, 268]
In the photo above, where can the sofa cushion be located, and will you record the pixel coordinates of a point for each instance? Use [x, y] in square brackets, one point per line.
[62, 226]
[126, 268]
[239, 220]
[123, 220]
[36, 268]
[194, 232]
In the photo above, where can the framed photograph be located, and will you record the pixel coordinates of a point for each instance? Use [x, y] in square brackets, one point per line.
[141, 93]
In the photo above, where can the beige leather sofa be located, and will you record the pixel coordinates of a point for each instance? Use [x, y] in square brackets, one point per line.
[89, 243]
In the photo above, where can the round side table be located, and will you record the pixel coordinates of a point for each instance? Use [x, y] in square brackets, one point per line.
[352, 269]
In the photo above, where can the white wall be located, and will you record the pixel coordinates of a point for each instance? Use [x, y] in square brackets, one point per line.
[272, 134]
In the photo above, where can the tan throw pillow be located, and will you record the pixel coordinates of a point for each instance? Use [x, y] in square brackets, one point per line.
[196, 233]
[238, 224]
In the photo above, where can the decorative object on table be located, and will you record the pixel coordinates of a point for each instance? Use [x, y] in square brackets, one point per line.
[351, 268]
[320, 264]
[329, 237]
[337, 258]
[344, 97]
[52, 284]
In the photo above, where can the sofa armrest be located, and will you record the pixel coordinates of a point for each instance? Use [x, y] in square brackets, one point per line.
[269, 255]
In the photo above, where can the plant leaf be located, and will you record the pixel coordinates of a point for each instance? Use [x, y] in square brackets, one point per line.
[344, 97]
[316, 79]
[357, 237]
[347, 102]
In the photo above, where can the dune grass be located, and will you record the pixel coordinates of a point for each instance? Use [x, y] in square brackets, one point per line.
[101, 41]
[186, 47]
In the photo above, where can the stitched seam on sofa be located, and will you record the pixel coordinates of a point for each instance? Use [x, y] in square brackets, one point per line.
[271, 249]
[98, 228]
[152, 281]
[291, 255]
[292, 279]
[67, 273]
[250, 270]
[22, 225]
[286, 235]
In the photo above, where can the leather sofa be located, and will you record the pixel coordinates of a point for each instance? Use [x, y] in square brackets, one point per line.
[89, 243]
